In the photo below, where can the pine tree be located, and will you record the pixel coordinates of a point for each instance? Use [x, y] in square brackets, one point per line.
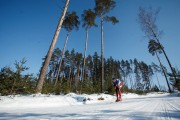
[70, 22]
[50, 51]
[154, 49]
[102, 7]
[147, 20]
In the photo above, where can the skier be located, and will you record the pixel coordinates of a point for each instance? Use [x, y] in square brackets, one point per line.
[118, 85]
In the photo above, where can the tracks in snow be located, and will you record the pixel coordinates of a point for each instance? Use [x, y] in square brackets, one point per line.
[169, 109]
[149, 108]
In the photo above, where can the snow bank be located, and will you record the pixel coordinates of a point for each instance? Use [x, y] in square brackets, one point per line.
[41, 100]
[36, 101]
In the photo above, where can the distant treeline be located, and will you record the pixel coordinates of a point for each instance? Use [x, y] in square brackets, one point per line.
[137, 76]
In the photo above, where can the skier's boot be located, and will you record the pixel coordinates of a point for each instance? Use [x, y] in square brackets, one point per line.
[117, 100]
[120, 98]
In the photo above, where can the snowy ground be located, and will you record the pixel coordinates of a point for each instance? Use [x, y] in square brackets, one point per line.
[153, 106]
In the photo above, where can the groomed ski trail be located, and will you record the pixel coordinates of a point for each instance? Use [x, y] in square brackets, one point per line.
[145, 108]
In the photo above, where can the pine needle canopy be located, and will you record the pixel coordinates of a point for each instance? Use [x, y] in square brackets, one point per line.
[71, 21]
[154, 47]
[88, 18]
[104, 6]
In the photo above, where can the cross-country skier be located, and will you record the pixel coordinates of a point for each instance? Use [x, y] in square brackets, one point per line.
[118, 85]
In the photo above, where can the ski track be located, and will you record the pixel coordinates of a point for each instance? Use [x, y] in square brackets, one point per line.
[133, 111]
[152, 108]
[167, 109]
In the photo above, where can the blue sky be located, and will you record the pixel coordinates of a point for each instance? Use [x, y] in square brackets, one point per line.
[27, 28]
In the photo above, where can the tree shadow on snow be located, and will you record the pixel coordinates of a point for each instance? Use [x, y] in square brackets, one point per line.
[11, 116]
[99, 114]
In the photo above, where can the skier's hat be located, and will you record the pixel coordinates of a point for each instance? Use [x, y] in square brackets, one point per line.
[113, 78]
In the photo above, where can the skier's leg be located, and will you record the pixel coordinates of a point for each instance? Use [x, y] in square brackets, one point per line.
[120, 95]
[117, 94]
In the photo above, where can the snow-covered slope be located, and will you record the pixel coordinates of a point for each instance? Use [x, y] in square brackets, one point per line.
[103, 106]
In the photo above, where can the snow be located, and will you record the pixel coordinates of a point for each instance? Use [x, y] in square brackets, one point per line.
[95, 106]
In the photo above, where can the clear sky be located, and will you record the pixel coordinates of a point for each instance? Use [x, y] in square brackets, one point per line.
[27, 28]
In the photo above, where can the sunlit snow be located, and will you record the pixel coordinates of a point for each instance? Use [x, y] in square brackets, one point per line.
[152, 106]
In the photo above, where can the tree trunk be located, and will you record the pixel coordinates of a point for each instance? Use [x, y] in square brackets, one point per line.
[55, 69]
[102, 54]
[13, 86]
[158, 81]
[149, 82]
[77, 77]
[163, 72]
[60, 62]
[131, 82]
[49, 54]
[84, 62]
[69, 79]
[165, 56]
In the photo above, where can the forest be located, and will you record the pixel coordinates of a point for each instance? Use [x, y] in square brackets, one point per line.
[137, 76]
[64, 71]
